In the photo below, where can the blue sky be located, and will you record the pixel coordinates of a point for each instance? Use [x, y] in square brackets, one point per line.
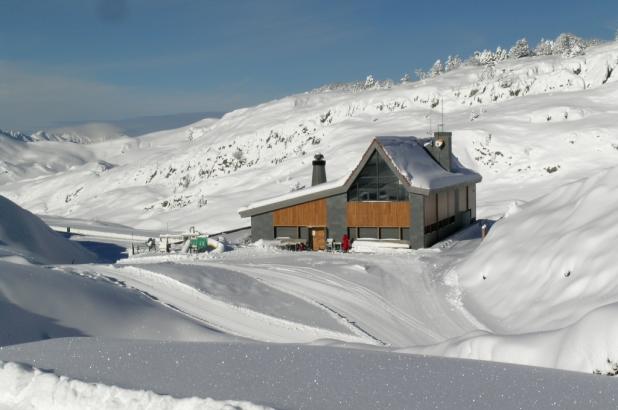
[79, 60]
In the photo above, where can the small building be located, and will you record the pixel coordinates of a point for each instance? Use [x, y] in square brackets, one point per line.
[405, 189]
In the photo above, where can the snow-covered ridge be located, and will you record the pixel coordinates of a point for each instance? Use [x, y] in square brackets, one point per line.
[31, 389]
[508, 118]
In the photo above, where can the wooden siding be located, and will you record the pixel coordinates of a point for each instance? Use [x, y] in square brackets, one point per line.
[378, 214]
[311, 213]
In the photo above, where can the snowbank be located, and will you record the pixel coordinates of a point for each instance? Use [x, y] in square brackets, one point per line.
[38, 303]
[316, 377]
[26, 235]
[545, 282]
[548, 262]
[31, 389]
[378, 246]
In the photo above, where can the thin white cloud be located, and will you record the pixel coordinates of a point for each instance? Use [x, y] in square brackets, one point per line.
[30, 99]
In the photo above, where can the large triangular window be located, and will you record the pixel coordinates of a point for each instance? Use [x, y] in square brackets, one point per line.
[377, 182]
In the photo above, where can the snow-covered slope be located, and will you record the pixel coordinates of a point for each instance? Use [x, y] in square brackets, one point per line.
[545, 282]
[40, 303]
[527, 125]
[24, 235]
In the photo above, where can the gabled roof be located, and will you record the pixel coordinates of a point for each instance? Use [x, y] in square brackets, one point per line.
[420, 172]
[407, 157]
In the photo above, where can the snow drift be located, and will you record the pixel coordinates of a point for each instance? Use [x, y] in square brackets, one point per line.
[25, 235]
[37, 303]
[547, 262]
[31, 389]
[545, 282]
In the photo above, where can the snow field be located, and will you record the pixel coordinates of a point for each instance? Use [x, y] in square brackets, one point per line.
[26, 388]
[290, 376]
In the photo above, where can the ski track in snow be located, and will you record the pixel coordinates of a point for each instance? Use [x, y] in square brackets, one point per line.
[320, 276]
[228, 318]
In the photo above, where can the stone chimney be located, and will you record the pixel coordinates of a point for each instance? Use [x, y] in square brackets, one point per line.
[319, 170]
[441, 148]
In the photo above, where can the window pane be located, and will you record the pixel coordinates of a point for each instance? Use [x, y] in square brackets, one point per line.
[405, 234]
[377, 182]
[367, 189]
[383, 170]
[352, 233]
[389, 233]
[286, 232]
[353, 192]
[304, 233]
[371, 167]
[368, 233]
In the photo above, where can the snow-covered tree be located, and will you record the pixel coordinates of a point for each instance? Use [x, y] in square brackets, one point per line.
[405, 79]
[452, 63]
[420, 74]
[500, 54]
[569, 45]
[436, 69]
[520, 49]
[544, 48]
[484, 57]
[370, 81]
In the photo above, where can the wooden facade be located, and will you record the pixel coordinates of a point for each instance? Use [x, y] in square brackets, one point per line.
[311, 213]
[379, 214]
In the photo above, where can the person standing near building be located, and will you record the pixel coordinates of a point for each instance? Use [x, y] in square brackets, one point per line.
[345, 243]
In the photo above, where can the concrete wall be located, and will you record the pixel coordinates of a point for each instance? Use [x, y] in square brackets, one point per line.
[336, 214]
[417, 221]
[442, 155]
[473, 202]
[262, 227]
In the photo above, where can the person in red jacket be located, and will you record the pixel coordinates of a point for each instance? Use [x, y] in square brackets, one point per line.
[345, 243]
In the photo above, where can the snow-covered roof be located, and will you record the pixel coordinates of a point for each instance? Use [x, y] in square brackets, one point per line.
[295, 197]
[419, 169]
[415, 166]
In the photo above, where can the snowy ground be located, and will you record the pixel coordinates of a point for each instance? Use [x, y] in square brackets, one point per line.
[310, 377]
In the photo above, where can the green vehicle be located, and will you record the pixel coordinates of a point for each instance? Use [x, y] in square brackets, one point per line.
[199, 244]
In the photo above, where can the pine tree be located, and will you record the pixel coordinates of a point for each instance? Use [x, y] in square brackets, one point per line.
[569, 45]
[436, 69]
[405, 79]
[500, 54]
[452, 63]
[520, 49]
[370, 81]
[544, 48]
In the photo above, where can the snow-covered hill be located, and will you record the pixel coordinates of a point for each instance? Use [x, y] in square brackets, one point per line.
[528, 125]
[23, 236]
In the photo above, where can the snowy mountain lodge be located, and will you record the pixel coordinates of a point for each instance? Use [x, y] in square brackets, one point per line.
[406, 190]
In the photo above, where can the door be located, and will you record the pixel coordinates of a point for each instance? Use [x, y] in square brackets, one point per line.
[318, 238]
